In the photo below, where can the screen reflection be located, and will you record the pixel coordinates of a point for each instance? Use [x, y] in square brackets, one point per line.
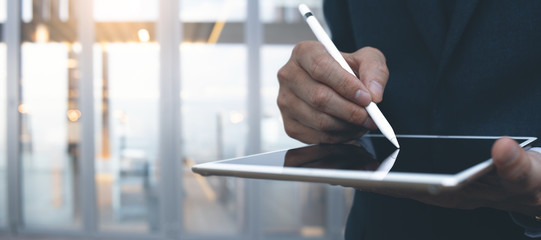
[332, 156]
[441, 155]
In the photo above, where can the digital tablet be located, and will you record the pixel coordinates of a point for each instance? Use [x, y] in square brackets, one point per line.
[423, 163]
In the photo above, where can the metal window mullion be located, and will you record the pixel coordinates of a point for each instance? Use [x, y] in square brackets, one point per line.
[169, 37]
[253, 35]
[87, 184]
[12, 34]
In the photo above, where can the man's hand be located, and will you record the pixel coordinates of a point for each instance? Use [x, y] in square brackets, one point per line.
[515, 184]
[321, 102]
[519, 173]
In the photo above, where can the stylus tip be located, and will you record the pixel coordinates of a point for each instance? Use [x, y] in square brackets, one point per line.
[395, 142]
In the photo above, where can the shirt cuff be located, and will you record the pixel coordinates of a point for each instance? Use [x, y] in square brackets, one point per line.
[532, 227]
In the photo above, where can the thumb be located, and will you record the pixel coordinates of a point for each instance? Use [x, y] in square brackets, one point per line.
[513, 164]
[372, 70]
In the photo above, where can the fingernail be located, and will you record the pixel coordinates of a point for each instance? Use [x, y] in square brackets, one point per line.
[376, 89]
[362, 97]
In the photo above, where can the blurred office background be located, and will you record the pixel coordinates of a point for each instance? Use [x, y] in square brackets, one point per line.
[106, 104]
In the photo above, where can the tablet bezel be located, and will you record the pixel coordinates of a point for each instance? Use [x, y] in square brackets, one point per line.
[430, 182]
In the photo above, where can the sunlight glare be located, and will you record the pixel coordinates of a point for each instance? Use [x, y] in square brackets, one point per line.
[144, 35]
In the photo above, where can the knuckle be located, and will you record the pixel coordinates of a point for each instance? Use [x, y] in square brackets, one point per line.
[290, 130]
[282, 101]
[294, 133]
[320, 66]
[320, 97]
[383, 70]
[329, 138]
[348, 84]
[369, 49]
[366, 50]
[374, 51]
[377, 71]
[297, 49]
[364, 75]
[287, 74]
[324, 124]
[303, 47]
[357, 115]
[282, 74]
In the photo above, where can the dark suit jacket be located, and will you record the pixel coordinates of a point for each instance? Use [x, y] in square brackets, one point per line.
[470, 67]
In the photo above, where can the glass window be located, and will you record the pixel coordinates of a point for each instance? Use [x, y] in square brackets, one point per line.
[273, 57]
[3, 143]
[212, 10]
[278, 11]
[288, 209]
[3, 126]
[295, 209]
[3, 12]
[213, 95]
[49, 128]
[125, 10]
[213, 69]
[126, 99]
[49, 137]
[214, 126]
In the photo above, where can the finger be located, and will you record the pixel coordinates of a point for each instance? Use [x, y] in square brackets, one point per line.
[323, 68]
[515, 166]
[324, 99]
[308, 135]
[372, 70]
[295, 108]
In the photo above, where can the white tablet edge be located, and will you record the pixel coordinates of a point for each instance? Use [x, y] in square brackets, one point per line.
[433, 183]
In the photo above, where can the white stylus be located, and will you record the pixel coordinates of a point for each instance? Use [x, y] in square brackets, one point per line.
[372, 108]
[386, 165]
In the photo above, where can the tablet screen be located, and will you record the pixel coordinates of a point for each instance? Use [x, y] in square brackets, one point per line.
[416, 155]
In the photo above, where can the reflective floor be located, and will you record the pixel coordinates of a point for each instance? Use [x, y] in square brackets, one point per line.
[211, 205]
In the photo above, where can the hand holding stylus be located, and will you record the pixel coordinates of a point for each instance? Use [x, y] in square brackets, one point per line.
[321, 102]
[371, 108]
